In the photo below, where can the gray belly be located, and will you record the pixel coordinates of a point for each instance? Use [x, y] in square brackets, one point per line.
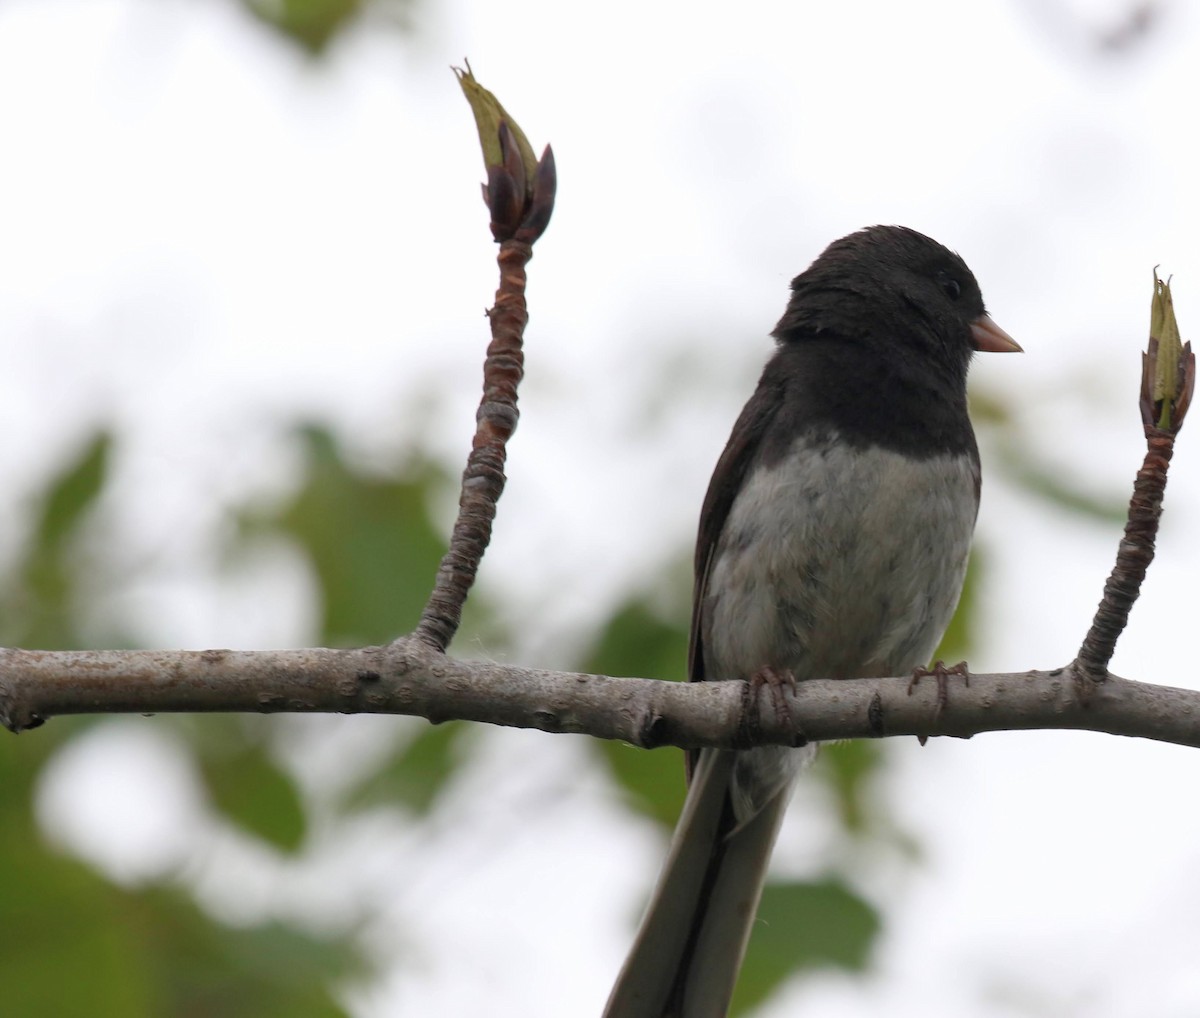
[836, 563]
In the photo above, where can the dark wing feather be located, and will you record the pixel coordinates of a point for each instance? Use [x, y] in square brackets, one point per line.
[740, 453]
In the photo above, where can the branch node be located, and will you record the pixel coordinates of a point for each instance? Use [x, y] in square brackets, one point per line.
[653, 730]
[875, 716]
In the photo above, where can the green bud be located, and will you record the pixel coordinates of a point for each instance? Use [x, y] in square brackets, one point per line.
[1164, 332]
[489, 115]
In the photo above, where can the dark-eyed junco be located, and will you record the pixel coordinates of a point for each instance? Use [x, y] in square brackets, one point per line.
[833, 543]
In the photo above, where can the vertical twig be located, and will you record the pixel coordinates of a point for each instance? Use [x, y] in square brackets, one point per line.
[1134, 556]
[1168, 380]
[483, 479]
[519, 194]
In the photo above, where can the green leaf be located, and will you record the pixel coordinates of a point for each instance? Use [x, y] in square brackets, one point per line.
[250, 789]
[62, 950]
[848, 768]
[1055, 486]
[266, 971]
[652, 780]
[64, 946]
[311, 23]
[804, 926]
[36, 603]
[369, 538]
[959, 636]
[73, 492]
[419, 771]
[74, 944]
[638, 641]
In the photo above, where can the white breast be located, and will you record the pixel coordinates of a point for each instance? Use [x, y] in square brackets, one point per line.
[839, 562]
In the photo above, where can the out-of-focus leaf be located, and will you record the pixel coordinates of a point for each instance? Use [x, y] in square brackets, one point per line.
[639, 642]
[73, 491]
[960, 634]
[267, 971]
[1056, 488]
[369, 539]
[57, 916]
[419, 771]
[989, 408]
[247, 785]
[652, 780]
[1021, 460]
[313, 24]
[72, 943]
[848, 768]
[804, 926]
[65, 947]
[36, 604]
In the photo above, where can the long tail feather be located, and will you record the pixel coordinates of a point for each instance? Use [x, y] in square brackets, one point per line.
[688, 950]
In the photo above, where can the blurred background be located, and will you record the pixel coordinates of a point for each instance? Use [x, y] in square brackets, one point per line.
[243, 269]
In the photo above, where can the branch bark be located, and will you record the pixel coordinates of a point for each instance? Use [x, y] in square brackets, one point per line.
[408, 677]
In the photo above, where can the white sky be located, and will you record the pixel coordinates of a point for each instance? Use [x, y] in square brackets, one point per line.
[204, 237]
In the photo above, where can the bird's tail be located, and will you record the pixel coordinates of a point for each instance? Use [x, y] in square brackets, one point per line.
[689, 947]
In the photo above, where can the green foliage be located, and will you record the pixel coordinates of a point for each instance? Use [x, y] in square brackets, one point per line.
[202, 968]
[375, 552]
[246, 785]
[66, 946]
[419, 770]
[956, 641]
[652, 781]
[638, 641]
[37, 605]
[849, 768]
[369, 539]
[313, 24]
[804, 926]
[72, 942]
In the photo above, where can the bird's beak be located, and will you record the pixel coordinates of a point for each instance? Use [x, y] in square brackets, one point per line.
[988, 337]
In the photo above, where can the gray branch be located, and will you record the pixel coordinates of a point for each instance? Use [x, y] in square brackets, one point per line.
[408, 677]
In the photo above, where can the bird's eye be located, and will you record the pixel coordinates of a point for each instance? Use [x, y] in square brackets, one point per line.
[951, 288]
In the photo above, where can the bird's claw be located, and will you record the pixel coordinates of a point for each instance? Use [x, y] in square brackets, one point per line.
[941, 673]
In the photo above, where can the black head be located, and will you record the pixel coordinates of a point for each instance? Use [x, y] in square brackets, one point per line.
[893, 287]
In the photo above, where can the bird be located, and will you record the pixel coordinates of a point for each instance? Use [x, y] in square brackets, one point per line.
[833, 543]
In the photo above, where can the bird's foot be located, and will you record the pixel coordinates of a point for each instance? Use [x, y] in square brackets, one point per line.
[776, 680]
[941, 673]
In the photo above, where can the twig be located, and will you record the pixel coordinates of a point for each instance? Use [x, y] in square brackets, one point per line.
[520, 197]
[1168, 380]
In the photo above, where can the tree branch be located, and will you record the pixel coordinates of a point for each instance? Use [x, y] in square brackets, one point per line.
[408, 677]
